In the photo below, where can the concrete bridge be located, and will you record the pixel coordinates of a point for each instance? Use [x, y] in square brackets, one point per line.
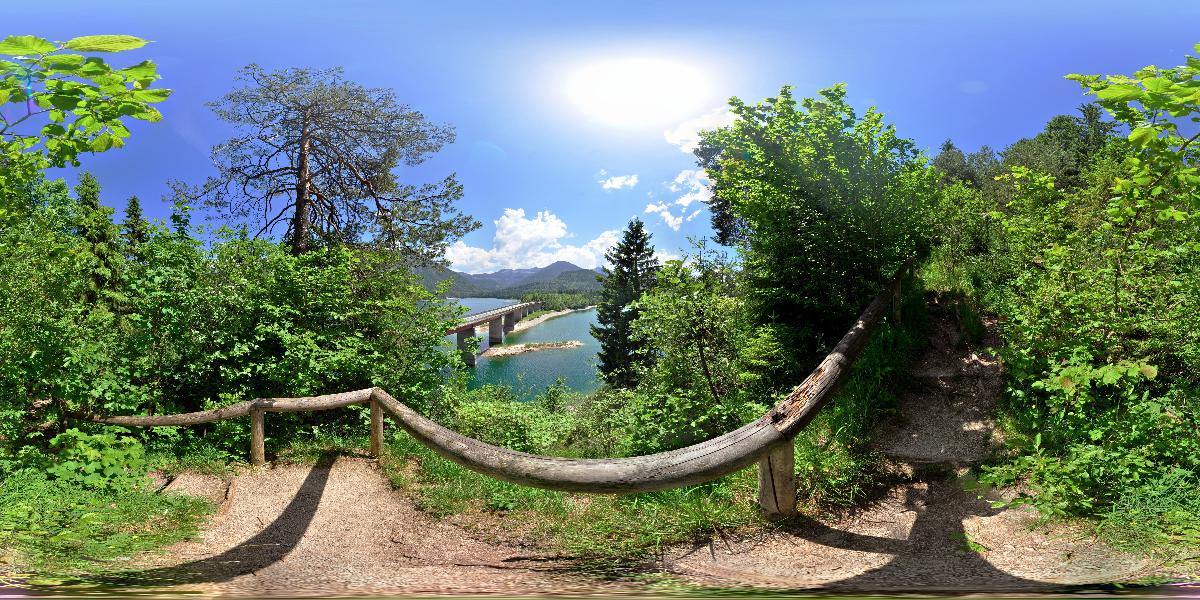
[499, 321]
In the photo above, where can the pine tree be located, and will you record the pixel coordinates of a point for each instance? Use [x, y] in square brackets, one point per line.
[135, 230]
[93, 223]
[632, 272]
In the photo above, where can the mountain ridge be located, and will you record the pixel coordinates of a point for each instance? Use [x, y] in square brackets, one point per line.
[560, 276]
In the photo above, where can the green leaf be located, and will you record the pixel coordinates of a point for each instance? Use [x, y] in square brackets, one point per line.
[143, 70]
[1142, 136]
[64, 61]
[155, 95]
[4, 95]
[1158, 84]
[25, 45]
[1120, 93]
[105, 43]
[1150, 371]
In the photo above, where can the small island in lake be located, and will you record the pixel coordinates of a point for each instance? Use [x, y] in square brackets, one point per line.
[530, 347]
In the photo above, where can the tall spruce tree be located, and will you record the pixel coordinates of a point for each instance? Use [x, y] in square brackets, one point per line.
[93, 223]
[632, 272]
[135, 229]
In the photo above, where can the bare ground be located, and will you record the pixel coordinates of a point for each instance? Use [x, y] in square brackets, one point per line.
[338, 528]
[335, 529]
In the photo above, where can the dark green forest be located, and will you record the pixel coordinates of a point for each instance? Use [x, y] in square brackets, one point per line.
[1080, 244]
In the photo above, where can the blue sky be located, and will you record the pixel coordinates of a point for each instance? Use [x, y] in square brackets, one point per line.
[537, 90]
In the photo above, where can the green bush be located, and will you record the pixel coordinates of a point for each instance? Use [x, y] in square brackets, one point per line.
[495, 416]
[100, 460]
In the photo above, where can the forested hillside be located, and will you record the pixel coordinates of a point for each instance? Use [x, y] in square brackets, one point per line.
[560, 277]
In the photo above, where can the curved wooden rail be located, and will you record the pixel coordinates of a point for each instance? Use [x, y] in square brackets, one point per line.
[768, 439]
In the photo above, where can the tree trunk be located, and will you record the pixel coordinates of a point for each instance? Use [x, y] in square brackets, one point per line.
[300, 221]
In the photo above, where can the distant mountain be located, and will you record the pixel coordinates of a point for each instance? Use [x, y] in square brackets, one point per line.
[570, 282]
[561, 276]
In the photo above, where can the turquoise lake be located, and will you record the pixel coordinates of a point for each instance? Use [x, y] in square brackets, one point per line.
[532, 372]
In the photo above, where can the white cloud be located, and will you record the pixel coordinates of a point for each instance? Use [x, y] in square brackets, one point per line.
[664, 210]
[617, 182]
[686, 135]
[664, 255]
[521, 243]
[694, 184]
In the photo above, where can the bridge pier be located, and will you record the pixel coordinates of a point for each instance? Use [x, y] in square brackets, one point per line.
[496, 331]
[466, 348]
[510, 321]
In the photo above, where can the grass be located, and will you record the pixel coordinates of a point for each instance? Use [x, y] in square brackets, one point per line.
[52, 527]
[600, 531]
[1160, 517]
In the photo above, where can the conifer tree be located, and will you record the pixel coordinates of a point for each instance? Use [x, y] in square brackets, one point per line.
[93, 223]
[632, 272]
[135, 230]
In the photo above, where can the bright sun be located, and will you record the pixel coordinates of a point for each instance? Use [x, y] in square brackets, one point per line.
[639, 92]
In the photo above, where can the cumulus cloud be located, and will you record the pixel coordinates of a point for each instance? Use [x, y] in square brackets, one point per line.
[663, 210]
[664, 255]
[686, 135]
[692, 187]
[617, 182]
[521, 242]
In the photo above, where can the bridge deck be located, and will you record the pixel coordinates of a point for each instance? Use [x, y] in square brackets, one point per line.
[475, 320]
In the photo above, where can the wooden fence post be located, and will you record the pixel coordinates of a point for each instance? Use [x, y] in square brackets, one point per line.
[258, 453]
[777, 481]
[376, 428]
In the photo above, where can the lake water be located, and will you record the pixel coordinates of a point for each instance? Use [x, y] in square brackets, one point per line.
[532, 372]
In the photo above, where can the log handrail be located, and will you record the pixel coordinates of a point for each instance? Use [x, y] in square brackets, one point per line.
[701, 462]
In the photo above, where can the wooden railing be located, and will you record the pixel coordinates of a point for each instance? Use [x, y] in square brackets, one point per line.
[767, 440]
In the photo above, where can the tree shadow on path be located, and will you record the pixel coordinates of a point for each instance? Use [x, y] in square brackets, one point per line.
[266, 548]
[936, 556]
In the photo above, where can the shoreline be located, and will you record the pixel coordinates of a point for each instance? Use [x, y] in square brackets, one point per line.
[498, 351]
[523, 325]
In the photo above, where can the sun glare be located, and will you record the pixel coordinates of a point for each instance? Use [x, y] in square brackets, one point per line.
[639, 92]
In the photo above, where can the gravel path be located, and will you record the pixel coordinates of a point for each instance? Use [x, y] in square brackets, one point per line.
[928, 533]
[337, 529]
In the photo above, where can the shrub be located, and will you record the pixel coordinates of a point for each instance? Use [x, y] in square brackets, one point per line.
[100, 460]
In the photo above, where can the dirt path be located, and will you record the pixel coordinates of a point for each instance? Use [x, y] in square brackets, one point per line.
[336, 529]
[927, 533]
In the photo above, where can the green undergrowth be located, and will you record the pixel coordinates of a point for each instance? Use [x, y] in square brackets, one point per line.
[51, 527]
